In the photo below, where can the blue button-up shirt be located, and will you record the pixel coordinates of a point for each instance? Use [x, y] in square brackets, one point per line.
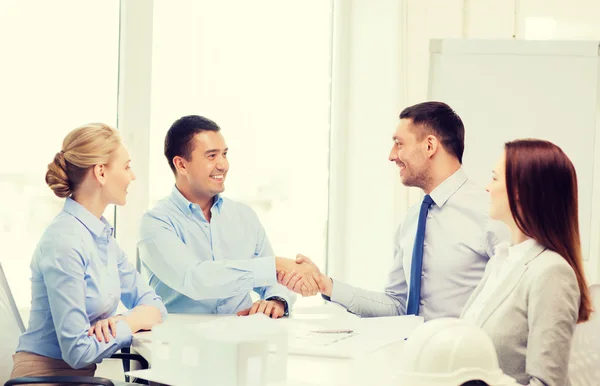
[205, 267]
[79, 273]
[460, 238]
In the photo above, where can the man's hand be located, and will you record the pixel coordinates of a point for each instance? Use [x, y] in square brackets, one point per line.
[272, 308]
[293, 281]
[308, 274]
[105, 328]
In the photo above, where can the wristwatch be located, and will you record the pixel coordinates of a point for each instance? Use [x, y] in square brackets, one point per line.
[285, 304]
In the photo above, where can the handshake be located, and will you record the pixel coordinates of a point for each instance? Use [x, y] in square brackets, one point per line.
[302, 276]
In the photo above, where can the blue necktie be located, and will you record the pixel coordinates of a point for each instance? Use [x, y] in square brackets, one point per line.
[414, 294]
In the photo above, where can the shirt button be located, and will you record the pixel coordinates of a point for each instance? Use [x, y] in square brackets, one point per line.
[422, 274]
[422, 302]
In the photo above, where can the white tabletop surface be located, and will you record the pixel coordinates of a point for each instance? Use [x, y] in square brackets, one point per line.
[375, 368]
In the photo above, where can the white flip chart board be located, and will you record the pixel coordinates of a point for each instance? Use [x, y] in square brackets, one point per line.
[509, 89]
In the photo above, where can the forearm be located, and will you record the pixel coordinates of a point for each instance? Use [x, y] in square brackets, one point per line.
[150, 299]
[223, 279]
[366, 303]
[158, 305]
[82, 350]
[179, 269]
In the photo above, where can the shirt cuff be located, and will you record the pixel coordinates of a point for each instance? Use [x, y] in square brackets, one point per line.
[342, 293]
[264, 271]
[124, 335]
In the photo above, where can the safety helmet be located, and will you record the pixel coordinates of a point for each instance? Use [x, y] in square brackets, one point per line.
[450, 352]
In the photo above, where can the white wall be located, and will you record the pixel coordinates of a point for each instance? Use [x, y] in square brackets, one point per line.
[367, 96]
[388, 68]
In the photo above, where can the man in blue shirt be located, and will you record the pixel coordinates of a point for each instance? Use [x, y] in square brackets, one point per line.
[204, 253]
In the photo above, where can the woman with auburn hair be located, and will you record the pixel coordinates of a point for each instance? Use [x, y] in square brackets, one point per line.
[534, 291]
[79, 273]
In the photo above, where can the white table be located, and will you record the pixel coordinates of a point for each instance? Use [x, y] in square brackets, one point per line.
[376, 368]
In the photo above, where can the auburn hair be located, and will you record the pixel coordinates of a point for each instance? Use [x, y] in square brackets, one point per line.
[541, 183]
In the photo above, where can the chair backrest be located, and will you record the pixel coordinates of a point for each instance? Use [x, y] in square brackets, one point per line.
[11, 327]
[584, 363]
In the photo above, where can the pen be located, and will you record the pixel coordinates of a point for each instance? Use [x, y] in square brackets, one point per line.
[334, 331]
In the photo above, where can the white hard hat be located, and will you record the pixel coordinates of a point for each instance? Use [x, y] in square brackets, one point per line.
[450, 352]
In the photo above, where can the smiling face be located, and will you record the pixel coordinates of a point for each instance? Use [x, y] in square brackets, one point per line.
[207, 167]
[117, 177]
[409, 153]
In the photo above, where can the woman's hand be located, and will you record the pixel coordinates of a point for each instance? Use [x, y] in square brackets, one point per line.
[105, 328]
[143, 317]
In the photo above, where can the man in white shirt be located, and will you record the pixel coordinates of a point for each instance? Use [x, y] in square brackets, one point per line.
[455, 237]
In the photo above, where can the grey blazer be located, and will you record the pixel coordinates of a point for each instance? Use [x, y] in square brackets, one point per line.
[531, 318]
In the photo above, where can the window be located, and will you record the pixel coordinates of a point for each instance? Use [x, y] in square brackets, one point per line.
[262, 73]
[59, 71]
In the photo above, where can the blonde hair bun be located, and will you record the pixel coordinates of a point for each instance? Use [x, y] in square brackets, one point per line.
[56, 176]
[83, 148]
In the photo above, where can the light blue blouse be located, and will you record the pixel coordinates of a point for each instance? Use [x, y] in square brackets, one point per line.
[79, 273]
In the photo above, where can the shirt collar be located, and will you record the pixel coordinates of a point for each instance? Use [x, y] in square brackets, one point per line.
[521, 249]
[187, 206]
[96, 225]
[446, 189]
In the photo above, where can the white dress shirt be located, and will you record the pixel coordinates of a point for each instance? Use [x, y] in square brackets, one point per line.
[460, 238]
[505, 260]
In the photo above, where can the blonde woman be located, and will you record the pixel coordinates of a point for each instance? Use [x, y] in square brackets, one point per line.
[79, 273]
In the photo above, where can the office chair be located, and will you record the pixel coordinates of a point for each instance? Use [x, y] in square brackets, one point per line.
[12, 326]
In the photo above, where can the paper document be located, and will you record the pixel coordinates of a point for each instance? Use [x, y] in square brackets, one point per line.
[348, 337]
[342, 335]
[316, 338]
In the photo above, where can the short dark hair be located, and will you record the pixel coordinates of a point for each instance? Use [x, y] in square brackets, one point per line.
[475, 383]
[178, 141]
[442, 121]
